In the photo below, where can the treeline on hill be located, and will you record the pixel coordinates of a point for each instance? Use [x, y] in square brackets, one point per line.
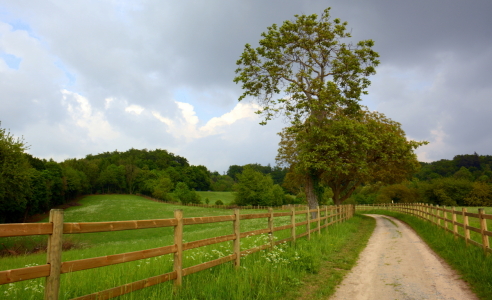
[29, 185]
[466, 180]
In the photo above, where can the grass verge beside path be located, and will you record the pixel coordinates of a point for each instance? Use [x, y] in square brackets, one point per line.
[338, 256]
[470, 262]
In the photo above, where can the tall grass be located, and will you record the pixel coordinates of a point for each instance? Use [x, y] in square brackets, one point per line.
[263, 275]
[470, 262]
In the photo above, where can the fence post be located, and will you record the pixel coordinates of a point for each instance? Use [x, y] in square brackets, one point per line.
[326, 216]
[293, 222]
[237, 240]
[270, 227]
[178, 241]
[319, 221]
[455, 227]
[465, 225]
[438, 216]
[308, 225]
[483, 228]
[54, 253]
[445, 216]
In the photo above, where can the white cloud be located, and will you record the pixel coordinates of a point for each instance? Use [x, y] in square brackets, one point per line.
[83, 115]
[135, 109]
[186, 124]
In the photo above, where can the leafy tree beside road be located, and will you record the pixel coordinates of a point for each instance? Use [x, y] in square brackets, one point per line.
[304, 71]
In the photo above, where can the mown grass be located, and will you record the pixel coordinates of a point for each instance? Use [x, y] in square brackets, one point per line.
[470, 262]
[263, 275]
[226, 197]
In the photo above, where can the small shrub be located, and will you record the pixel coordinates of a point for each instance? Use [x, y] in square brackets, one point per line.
[219, 202]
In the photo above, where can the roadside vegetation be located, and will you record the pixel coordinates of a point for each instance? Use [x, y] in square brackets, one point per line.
[470, 262]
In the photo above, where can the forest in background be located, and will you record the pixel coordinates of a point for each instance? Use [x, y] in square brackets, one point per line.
[29, 185]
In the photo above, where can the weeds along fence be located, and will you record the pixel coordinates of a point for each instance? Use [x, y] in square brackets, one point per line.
[460, 222]
[56, 227]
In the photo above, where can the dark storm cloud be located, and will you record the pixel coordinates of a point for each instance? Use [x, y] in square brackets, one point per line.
[433, 78]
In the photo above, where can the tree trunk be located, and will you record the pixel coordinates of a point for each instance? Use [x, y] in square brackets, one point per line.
[310, 194]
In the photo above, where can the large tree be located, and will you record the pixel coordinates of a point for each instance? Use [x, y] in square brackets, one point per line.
[14, 177]
[347, 151]
[305, 71]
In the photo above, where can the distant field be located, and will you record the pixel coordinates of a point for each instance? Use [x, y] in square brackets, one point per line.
[226, 197]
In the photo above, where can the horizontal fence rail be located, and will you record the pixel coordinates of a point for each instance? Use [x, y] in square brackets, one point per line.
[56, 227]
[439, 216]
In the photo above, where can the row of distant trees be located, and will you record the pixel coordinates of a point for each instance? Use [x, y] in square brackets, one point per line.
[466, 180]
[29, 185]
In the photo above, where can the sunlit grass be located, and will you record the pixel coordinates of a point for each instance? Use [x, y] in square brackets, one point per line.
[127, 207]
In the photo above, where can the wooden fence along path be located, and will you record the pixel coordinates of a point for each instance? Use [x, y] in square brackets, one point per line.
[436, 214]
[57, 227]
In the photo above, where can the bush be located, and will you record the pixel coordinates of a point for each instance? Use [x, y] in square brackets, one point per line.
[219, 202]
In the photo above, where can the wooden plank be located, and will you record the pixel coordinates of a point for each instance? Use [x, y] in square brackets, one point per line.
[308, 223]
[460, 224]
[477, 230]
[254, 232]
[256, 249]
[284, 227]
[14, 275]
[178, 255]
[469, 214]
[87, 227]
[488, 233]
[302, 234]
[301, 223]
[281, 214]
[103, 261]
[208, 265]
[209, 241]
[22, 229]
[488, 217]
[129, 287]
[53, 254]
[205, 220]
[254, 216]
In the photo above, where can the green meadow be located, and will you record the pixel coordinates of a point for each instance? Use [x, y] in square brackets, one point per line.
[225, 197]
[267, 274]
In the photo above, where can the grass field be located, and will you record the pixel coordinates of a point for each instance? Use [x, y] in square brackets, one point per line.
[473, 266]
[264, 275]
[226, 197]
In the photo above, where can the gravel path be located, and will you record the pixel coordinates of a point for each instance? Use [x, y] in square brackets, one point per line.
[397, 264]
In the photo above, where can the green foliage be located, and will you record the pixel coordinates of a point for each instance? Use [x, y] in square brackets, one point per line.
[14, 177]
[480, 195]
[304, 66]
[254, 188]
[185, 195]
[347, 151]
[397, 193]
[219, 202]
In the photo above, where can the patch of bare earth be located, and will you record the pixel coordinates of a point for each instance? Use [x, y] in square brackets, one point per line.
[397, 264]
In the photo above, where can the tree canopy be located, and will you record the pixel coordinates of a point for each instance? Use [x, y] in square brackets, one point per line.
[347, 151]
[308, 71]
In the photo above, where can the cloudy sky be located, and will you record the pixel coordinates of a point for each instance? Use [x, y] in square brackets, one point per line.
[85, 77]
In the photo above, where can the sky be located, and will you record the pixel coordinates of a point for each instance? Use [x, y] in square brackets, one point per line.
[86, 77]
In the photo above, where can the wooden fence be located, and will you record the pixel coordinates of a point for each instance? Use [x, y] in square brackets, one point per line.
[435, 214]
[56, 227]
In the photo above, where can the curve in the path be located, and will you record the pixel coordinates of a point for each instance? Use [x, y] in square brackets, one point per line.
[397, 264]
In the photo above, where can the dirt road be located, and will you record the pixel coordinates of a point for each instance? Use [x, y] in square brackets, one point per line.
[397, 264]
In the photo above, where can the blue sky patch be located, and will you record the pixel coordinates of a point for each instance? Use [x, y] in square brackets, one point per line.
[11, 60]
